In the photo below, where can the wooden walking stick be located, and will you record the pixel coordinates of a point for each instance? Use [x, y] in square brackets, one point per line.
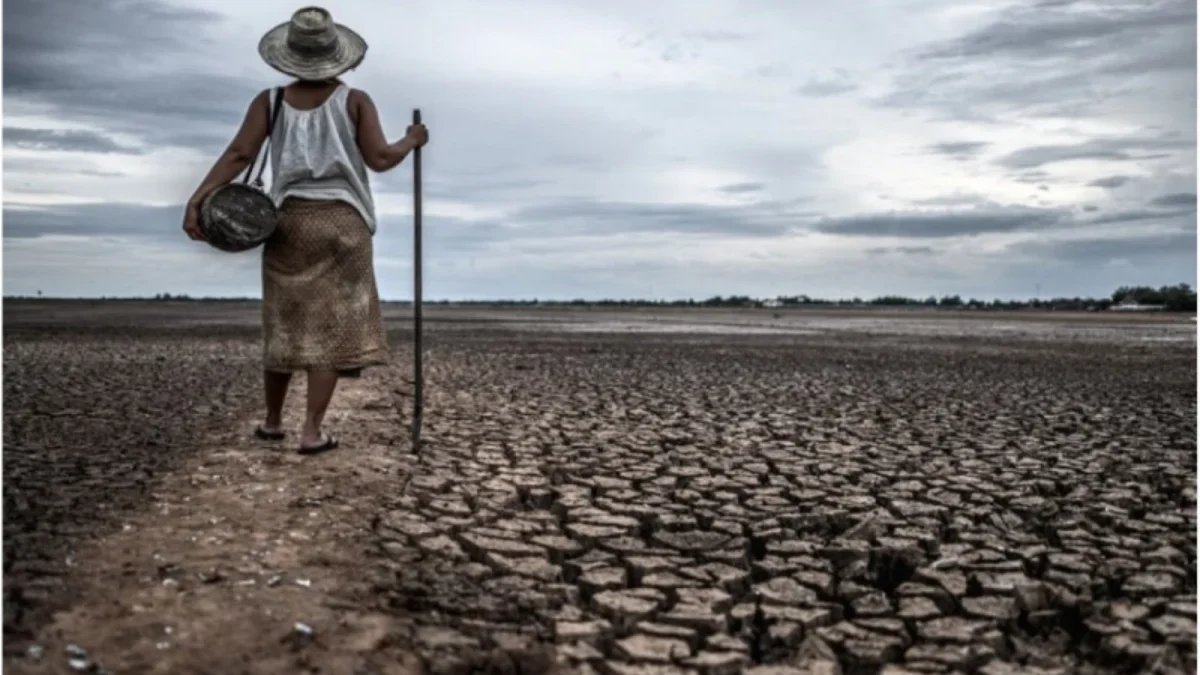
[418, 379]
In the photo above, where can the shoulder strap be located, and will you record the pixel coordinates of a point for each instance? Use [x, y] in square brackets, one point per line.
[277, 104]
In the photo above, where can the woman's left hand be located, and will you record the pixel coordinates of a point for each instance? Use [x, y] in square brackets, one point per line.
[191, 223]
[417, 135]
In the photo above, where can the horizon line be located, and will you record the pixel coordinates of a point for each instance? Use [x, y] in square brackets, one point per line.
[807, 299]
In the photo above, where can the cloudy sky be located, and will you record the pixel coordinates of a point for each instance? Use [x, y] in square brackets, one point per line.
[626, 148]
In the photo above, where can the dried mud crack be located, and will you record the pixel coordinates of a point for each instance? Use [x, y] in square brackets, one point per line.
[654, 507]
[93, 421]
[601, 504]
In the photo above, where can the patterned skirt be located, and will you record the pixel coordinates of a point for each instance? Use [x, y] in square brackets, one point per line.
[320, 304]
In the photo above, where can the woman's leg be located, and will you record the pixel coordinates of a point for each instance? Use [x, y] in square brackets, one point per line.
[275, 387]
[321, 384]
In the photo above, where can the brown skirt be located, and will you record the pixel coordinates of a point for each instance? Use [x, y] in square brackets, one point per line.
[320, 304]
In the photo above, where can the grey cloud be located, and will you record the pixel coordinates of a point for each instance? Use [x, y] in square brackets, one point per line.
[1154, 246]
[453, 246]
[1031, 177]
[139, 225]
[741, 188]
[673, 49]
[94, 27]
[1043, 31]
[574, 160]
[957, 199]
[440, 188]
[921, 225]
[1059, 60]
[1110, 182]
[902, 250]
[76, 140]
[959, 150]
[581, 217]
[681, 47]
[121, 66]
[1179, 199]
[980, 91]
[542, 222]
[1159, 216]
[677, 53]
[1110, 149]
[97, 220]
[43, 166]
[838, 82]
[772, 70]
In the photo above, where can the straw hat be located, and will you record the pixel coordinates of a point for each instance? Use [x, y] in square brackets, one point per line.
[311, 46]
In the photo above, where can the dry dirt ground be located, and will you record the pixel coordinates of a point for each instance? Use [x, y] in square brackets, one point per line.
[606, 493]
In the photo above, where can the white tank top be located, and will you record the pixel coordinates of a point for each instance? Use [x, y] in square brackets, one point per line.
[314, 155]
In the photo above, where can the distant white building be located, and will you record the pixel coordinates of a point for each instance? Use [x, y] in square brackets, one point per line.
[1131, 305]
[772, 303]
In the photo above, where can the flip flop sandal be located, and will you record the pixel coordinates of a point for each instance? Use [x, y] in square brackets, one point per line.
[330, 443]
[263, 435]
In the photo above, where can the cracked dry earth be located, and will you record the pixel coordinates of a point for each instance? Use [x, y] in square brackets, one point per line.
[831, 503]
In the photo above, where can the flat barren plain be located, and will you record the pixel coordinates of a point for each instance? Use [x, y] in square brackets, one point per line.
[624, 492]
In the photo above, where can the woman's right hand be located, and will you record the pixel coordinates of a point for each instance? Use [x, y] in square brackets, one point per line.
[417, 135]
[191, 222]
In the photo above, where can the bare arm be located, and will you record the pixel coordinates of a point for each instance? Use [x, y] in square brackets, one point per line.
[241, 151]
[377, 153]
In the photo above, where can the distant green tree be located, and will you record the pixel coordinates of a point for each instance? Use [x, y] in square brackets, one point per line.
[1178, 298]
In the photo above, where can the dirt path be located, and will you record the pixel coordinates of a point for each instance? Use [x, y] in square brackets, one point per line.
[248, 561]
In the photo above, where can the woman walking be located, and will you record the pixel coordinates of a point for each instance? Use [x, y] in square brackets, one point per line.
[320, 310]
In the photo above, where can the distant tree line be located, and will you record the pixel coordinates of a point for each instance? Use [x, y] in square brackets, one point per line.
[1178, 298]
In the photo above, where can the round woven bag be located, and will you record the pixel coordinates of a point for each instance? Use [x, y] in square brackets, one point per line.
[237, 217]
[240, 216]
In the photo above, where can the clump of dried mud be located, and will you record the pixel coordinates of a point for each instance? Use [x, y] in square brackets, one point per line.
[701, 504]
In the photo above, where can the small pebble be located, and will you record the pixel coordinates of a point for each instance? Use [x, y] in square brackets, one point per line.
[210, 577]
[76, 652]
[35, 652]
[304, 629]
[304, 582]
